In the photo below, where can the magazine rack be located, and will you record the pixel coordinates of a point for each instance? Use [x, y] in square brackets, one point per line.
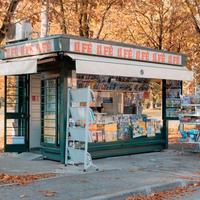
[79, 116]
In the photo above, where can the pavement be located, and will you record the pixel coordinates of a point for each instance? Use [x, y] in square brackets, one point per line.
[117, 178]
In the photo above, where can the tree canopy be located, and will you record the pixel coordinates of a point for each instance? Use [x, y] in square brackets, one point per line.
[172, 25]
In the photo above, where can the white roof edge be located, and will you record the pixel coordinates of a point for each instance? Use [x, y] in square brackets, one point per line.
[36, 57]
[166, 71]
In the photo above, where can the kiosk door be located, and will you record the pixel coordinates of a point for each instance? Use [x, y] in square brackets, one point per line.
[16, 113]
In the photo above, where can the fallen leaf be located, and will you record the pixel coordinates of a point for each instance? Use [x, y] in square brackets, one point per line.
[169, 194]
[48, 193]
[22, 196]
[23, 179]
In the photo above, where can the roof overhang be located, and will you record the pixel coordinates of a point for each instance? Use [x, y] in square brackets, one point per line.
[27, 65]
[128, 68]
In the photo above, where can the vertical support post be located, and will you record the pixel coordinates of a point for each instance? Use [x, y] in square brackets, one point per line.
[63, 110]
[165, 121]
[5, 111]
[67, 126]
[86, 130]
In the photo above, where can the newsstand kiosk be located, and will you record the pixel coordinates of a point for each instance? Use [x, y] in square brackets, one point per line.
[136, 91]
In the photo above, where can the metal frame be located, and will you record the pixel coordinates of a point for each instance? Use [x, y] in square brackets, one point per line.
[42, 115]
[18, 115]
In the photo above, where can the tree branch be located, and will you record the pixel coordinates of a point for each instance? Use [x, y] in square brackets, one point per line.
[195, 22]
[104, 17]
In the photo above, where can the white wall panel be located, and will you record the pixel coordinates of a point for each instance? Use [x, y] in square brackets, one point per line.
[35, 118]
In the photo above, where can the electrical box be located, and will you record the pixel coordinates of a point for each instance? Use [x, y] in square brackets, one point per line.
[19, 31]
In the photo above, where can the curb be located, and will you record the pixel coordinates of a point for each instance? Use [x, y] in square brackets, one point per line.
[142, 190]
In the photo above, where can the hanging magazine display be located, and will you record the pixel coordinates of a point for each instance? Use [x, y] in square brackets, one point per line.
[173, 101]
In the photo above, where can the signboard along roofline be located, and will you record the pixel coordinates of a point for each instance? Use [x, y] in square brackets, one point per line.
[80, 45]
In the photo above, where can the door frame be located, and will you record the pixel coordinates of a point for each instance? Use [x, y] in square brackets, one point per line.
[17, 115]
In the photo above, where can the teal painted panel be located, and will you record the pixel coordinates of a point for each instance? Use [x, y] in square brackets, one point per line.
[68, 43]
[33, 47]
[51, 153]
[126, 151]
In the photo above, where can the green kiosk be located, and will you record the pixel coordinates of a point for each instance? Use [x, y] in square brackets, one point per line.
[136, 90]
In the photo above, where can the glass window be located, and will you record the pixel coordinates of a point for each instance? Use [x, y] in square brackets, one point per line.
[49, 111]
[15, 97]
[124, 107]
[15, 131]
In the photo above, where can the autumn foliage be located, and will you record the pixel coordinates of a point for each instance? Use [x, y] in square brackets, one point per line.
[22, 179]
[171, 25]
[170, 194]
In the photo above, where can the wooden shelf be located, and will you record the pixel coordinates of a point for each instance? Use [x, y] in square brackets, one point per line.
[190, 105]
[174, 98]
[190, 115]
[118, 90]
[190, 123]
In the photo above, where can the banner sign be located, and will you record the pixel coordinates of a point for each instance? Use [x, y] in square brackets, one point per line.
[61, 43]
[29, 49]
[132, 53]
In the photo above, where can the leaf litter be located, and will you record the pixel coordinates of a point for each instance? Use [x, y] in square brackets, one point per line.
[23, 179]
[169, 194]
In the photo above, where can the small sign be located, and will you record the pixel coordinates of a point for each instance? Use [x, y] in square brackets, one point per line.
[146, 95]
[132, 53]
[29, 49]
[80, 45]
[35, 98]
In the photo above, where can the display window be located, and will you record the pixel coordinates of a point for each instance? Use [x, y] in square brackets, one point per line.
[124, 108]
[49, 108]
[173, 100]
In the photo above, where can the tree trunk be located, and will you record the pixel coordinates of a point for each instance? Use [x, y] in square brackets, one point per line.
[44, 18]
[63, 22]
[84, 29]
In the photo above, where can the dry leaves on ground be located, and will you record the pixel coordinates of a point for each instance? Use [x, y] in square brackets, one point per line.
[22, 179]
[167, 195]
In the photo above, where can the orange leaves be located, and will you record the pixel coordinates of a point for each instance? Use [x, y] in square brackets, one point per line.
[170, 194]
[22, 179]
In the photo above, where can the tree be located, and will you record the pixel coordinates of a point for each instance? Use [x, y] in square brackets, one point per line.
[194, 11]
[194, 8]
[159, 24]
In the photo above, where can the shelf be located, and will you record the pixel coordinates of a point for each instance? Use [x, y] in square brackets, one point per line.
[190, 123]
[190, 105]
[173, 107]
[81, 95]
[78, 134]
[106, 82]
[173, 118]
[76, 155]
[176, 98]
[173, 88]
[115, 90]
[188, 142]
[189, 115]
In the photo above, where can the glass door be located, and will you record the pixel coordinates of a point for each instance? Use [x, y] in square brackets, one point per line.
[16, 113]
